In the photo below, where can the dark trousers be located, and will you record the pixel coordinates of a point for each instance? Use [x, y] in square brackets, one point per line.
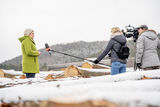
[151, 68]
[30, 75]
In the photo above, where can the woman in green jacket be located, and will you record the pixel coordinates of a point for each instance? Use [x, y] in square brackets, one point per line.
[30, 64]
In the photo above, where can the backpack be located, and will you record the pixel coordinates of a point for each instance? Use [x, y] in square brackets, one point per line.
[123, 52]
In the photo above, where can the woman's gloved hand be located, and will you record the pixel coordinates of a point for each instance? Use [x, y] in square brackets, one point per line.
[96, 62]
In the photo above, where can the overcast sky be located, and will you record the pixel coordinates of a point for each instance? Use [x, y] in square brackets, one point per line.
[63, 21]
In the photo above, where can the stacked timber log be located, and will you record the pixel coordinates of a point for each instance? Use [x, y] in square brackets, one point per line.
[62, 103]
[86, 70]
[1, 73]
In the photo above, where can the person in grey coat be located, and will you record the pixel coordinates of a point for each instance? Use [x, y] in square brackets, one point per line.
[146, 49]
[117, 38]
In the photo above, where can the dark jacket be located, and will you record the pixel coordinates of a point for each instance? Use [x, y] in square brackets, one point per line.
[113, 46]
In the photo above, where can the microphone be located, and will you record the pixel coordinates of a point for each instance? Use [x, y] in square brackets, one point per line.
[47, 47]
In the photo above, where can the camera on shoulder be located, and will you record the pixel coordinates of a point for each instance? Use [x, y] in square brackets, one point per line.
[131, 31]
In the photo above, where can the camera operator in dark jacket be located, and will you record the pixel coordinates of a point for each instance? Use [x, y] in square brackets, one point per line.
[118, 65]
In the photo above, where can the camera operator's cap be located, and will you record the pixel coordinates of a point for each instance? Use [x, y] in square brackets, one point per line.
[143, 26]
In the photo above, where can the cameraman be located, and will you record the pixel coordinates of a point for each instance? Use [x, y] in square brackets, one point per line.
[146, 49]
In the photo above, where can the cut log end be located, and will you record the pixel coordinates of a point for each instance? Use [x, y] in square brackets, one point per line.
[71, 71]
[1, 73]
[23, 77]
[144, 78]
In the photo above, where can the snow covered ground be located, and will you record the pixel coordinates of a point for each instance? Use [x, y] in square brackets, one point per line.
[122, 88]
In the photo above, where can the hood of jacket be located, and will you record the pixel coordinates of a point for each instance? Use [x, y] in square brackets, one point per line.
[151, 34]
[120, 38]
[21, 39]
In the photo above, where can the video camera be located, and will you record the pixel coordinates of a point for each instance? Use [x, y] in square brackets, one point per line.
[131, 32]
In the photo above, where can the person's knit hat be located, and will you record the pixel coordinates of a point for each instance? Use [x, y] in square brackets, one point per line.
[28, 31]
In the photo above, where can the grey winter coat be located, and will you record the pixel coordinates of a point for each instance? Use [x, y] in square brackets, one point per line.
[113, 46]
[146, 49]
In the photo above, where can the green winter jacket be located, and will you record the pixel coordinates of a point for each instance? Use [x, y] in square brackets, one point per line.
[29, 55]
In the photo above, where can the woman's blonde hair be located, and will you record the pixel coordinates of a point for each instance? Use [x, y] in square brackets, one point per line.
[116, 30]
